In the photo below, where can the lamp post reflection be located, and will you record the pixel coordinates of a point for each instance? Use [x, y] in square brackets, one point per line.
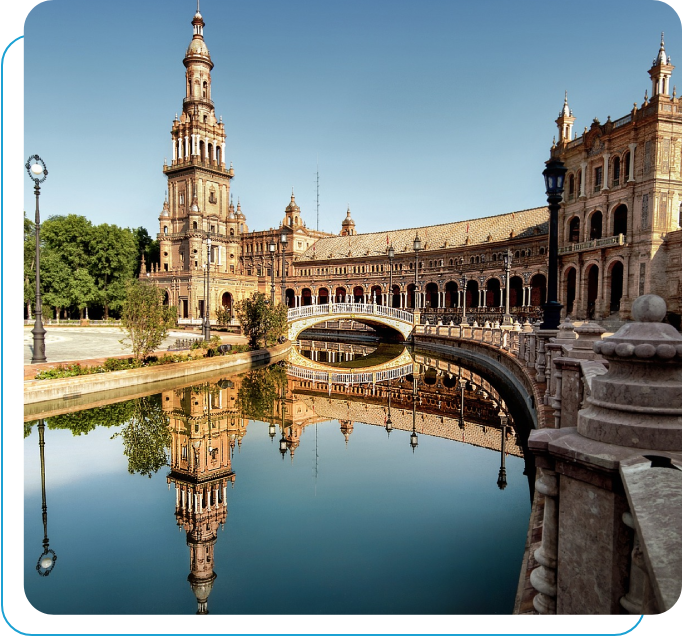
[389, 422]
[47, 560]
[413, 438]
[502, 475]
[462, 386]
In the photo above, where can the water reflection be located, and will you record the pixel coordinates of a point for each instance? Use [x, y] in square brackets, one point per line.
[195, 430]
[48, 559]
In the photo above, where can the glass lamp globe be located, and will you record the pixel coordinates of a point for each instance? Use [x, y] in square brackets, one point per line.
[37, 169]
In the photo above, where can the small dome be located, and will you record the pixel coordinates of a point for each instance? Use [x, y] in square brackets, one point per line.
[661, 58]
[240, 214]
[198, 47]
[292, 207]
[348, 220]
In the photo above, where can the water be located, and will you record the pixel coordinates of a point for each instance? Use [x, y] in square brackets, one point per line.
[315, 508]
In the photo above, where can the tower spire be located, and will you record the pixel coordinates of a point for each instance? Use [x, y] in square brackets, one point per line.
[660, 72]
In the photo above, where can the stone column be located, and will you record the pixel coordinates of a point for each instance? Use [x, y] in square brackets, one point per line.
[605, 182]
[583, 171]
[631, 173]
[543, 578]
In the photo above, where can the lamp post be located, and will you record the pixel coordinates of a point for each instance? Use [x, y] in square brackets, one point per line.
[502, 475]
[391, 256]
[416, 246]
[207, 292]
[37, 171]
[554, 185]
[464, 298]
[507, 268]
[389, 422]
[462, 386]
[48, 558]
[413, 438]
[272, 246]
[283, 243]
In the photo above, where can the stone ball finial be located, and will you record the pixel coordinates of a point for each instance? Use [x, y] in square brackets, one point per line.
[649, 308]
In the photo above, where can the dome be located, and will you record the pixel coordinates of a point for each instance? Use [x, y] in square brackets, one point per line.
[292, 207]
[198, 47]
[347, 221]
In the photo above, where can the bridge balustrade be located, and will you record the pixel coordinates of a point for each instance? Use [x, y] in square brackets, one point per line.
[349, 308]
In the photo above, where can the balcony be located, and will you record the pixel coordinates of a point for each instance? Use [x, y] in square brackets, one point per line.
[609, 241]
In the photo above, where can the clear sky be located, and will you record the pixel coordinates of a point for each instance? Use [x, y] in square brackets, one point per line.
[417, 113]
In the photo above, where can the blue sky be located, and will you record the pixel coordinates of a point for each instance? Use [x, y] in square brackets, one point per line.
[417, 113]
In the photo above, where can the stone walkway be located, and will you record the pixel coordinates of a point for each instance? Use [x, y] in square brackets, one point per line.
[92, 345]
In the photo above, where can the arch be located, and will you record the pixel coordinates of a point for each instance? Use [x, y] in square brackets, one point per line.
[451, 294]
[322, 296]
[595, 225]
[574, 230]
[231, 231]
[358, 294]
[592, 289]
[620, 220]
[515, 291]
[290, 296]
[210, 153]
[204, 92]
[616, 286]
[226, 302]
[492, 293]
[340, 295]
[432, 295]
[194, 225]
[538, 290]
[377, 295]
[472, 293]
[219, 155]
[202, 146]
[166, 298]
[165, 229]
[570, 276]
[306, 297]
[395, 296]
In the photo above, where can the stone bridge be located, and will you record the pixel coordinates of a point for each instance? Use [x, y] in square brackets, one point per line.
[380, 317]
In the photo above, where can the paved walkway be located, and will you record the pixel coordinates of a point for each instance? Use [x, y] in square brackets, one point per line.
[90, 344]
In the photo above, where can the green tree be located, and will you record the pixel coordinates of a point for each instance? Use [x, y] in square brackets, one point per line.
[82, 289]
[145, 318]
[147, 247]
[113, 254]
[146, 436]
[55, 281]
[70, 237]
[262, 323]
[29, 264]
[259, 390]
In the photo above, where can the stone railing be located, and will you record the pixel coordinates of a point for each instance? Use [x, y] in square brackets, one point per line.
[608, 241]
[610, 471]
[350, 308]
[502, 337]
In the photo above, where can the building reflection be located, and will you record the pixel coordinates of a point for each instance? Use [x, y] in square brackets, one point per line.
[205, 425]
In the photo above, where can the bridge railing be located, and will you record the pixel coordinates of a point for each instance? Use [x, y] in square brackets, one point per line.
[328, 377]
[330, 309]
[501, 336]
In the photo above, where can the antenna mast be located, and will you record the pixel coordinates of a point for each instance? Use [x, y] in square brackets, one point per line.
[318, 196]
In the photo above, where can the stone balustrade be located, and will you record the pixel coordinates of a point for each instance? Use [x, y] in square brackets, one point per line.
[610, 466]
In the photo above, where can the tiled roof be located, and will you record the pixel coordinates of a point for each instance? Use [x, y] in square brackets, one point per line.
[433, 237]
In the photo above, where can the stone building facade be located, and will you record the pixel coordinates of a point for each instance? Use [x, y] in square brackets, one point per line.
[619, 227]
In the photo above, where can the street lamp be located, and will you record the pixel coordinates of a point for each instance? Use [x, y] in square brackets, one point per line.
[507, 268]
[502, 475]
[48, 558]
[283, 242]
[554, 185]
[462, 386]
[391, 256]
[207, 292]
[272, 246]
[389, 422]
[37, 171]
[413, 438]
[464, 298]
[416, 246]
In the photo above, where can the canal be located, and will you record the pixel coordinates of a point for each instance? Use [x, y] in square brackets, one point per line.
[351, 479]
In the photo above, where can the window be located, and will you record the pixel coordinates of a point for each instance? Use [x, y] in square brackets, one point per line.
[616, 171]
[182, 199]
[194, 225]
[213, 228]
[212, 197]
[165, 229]
[598, 174]
[232, 232]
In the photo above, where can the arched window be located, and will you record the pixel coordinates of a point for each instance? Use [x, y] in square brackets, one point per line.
[165, 229]
[616, 171]
[626, 171]
[194, 225]
[205, 91]
[595, 225]
[620, 220]
[574, 230]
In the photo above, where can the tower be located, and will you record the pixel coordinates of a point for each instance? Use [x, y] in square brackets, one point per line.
[565, 122]
[347, 225]
[660, 73]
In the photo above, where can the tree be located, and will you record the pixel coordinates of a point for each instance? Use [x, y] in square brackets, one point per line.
[29, 264]
[259, 390]
[146, 436]
[262, 323]
[55, 281]
[113, 253]
[82, 289]
[146, 246]
[145, 317]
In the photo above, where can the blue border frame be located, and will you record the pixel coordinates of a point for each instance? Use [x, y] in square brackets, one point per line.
[11, 410]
